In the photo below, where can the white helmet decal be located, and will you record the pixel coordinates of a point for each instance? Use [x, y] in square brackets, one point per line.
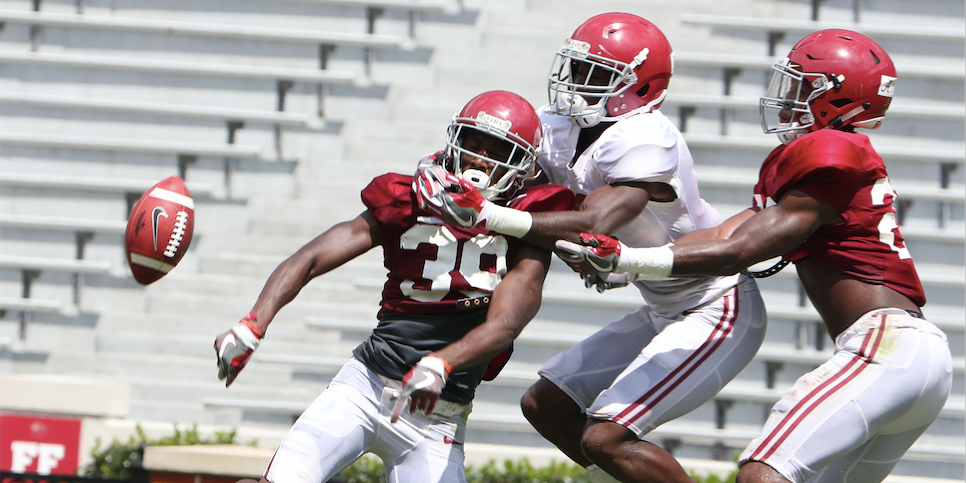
[501, 125]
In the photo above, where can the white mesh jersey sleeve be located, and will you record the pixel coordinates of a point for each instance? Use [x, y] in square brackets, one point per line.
[557, 147]
[641, 148]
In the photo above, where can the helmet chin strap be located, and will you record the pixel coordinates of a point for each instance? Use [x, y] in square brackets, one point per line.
[791, 133]
[569, 103]
[576, 103]
[786, 137]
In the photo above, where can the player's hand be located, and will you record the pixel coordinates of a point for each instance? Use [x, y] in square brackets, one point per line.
[235, 347]
[430, 177]
[603, 282]
[455, 201]
[595, 255]
[422, 386]
[465, 205]
[430, 181]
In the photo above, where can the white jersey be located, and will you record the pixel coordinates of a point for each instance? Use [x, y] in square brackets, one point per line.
[645, 148]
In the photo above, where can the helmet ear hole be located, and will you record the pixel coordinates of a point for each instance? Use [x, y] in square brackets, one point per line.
[840, 103]
[643, 90]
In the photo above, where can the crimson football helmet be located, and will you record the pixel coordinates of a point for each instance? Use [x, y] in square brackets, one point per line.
[831, 78]
[614, 65]
[496, 128]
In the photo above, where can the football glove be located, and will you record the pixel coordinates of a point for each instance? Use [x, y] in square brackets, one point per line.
[429, 180]
[235, 347]
[595, 255]
[422, 386]
[609, 281]
[455, 201]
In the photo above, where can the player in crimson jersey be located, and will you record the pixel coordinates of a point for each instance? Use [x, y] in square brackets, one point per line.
[823, 200]
[453, 303]
[606, 138]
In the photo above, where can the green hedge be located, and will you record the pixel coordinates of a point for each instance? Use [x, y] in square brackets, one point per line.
[370, 470]
[116, 459]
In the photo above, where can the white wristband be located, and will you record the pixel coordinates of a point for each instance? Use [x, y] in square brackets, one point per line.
[244, 334]
[435, 364]
[507, 221]
[652, 263]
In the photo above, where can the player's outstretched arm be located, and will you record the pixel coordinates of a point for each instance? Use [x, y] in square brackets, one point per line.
[604, 210]
[339, 244]
[766, 234]
[720, 232]
[769, 233]
[336, 246]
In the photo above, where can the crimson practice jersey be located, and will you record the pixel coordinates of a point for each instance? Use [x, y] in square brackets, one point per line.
[440, 277]
[843, 169]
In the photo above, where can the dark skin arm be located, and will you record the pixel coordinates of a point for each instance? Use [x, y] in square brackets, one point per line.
[514, 303]
[766, 234]
[604, 210]
[720, 232]
[839, 298]
[338, 245]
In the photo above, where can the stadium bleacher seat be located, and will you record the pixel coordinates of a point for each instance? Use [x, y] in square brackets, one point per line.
[803, 27]
[222, 31]
[48, 141]
[88, 183]
[163, 109]
[952, 71]
[899, 109]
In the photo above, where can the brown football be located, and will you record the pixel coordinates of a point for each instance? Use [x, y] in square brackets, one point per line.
[159, 230]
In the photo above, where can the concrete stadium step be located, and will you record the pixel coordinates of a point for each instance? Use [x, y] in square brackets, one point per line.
[194, 391]
[265, 245]
[232, 308]
[398, 130]
[406, 153]
[259, 267]
[281, 331]
[121, 365]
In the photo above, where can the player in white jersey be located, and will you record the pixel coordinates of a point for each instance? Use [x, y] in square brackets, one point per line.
[605, 138]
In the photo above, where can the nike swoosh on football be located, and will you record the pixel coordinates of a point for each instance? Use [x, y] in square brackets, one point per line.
[158, 212]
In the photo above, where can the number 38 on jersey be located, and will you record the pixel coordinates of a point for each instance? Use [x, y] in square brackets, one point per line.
[471, 266]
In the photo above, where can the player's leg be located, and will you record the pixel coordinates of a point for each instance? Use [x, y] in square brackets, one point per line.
[571, 381]
[433, 446]
[871, 462]
[557, 418]
[682, 368]
[332, 433]
[758, 472]
[623, 455]
[857, 414]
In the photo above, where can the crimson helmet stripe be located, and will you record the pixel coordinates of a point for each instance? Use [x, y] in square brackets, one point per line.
[811, 402]
[651, 398]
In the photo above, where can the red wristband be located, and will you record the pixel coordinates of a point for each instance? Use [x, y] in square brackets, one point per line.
[248, 321]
